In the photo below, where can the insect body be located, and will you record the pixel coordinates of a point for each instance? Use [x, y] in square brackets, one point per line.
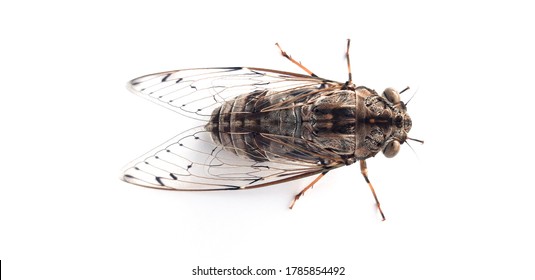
[259, 127]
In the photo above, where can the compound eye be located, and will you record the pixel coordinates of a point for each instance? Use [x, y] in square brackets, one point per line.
[391, 149]
[391, 95]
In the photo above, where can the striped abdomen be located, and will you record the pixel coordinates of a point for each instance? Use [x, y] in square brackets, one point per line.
[264, 125]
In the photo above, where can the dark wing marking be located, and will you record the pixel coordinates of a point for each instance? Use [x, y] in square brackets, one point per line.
[195, 93]
[192, 161]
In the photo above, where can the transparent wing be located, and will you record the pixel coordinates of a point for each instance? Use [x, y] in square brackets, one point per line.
[192, 161]
[195, 93]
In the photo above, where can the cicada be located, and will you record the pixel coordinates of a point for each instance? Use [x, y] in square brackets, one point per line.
[259, 127]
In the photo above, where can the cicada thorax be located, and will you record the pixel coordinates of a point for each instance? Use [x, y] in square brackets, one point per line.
[329, 126]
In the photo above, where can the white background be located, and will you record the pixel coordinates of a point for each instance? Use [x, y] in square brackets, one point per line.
[459, 207]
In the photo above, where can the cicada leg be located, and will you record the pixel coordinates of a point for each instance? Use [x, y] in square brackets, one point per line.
[350, 81]
[295, 61]
[364, 171]
[301, 193]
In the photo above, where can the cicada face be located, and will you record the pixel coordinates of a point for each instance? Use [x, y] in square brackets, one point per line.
[401, 122]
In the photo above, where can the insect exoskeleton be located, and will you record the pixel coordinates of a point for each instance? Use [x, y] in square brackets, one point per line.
[259, 127]
[352, 124]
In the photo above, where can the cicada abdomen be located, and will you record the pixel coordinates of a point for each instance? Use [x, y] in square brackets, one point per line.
[262, 127]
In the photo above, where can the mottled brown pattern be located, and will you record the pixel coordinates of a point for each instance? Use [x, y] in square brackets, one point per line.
[355, 124]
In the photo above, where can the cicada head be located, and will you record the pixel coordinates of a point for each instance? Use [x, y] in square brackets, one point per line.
[383, 123]
[401, 123]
